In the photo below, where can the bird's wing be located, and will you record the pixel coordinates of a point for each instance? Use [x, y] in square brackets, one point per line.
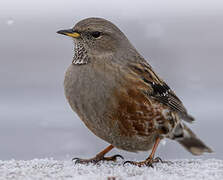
[159, 90]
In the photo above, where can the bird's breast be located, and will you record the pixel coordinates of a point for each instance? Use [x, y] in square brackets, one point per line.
[111, 105]
[88, 90]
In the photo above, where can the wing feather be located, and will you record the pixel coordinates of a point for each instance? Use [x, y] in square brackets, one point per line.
[159, 90]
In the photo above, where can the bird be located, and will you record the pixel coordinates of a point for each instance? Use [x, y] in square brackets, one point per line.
[120, 98]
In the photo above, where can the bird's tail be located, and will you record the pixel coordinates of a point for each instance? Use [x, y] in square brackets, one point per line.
[189, 140]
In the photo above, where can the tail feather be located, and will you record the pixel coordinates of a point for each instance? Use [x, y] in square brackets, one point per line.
[188, 118]
[190, 141]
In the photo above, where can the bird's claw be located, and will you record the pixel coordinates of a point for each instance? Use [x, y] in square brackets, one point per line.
[148, 162]
[83, 161]
[139, 164]
[112, 158]
[97, 159]
[158, 159]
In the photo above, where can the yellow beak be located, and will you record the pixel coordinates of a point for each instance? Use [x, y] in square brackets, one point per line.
[69, 32]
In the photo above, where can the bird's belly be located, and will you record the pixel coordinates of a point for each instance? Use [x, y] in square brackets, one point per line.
[89, 99]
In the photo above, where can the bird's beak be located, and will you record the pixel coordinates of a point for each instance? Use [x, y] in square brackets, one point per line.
[69, 32]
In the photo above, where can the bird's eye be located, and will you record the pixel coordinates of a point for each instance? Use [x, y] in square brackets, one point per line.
[96, 34]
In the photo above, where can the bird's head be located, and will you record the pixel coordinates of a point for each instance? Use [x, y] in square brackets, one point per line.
[97, 37]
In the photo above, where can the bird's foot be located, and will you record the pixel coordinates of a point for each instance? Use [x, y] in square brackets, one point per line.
[148, 162]
[96, 159]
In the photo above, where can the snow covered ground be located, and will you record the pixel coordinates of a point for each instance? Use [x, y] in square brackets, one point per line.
[57, 170]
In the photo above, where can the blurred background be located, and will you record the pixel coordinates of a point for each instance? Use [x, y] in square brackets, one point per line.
[182, 40]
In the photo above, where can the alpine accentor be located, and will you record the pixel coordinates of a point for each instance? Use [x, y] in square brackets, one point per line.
[119, 97]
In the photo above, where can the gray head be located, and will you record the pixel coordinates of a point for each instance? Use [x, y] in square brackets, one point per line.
[96, 37]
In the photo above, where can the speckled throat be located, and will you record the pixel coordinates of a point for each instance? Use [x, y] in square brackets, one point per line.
[80, 54]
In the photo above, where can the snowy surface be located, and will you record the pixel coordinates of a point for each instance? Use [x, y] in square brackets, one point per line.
[53, 169]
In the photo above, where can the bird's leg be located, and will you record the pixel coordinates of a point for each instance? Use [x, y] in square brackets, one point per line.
[99, 157]
[150, 160]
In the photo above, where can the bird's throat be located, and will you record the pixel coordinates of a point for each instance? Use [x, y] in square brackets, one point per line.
[80, 54]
